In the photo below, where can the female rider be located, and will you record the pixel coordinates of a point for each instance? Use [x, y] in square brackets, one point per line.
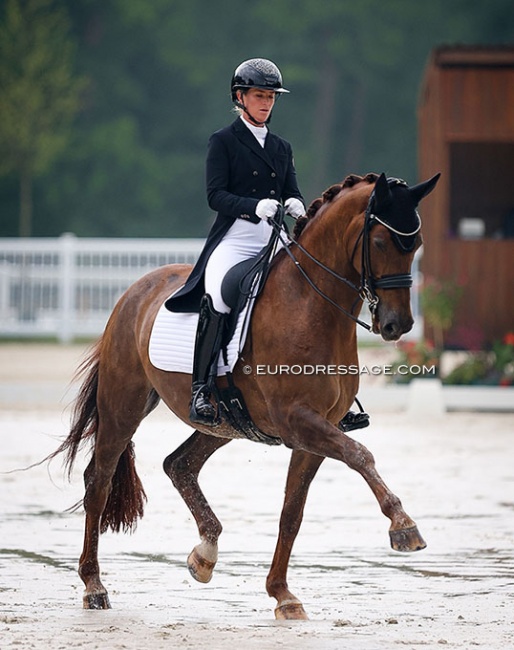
[249, 172]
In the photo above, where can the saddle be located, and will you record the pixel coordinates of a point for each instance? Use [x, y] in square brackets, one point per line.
[242, 283]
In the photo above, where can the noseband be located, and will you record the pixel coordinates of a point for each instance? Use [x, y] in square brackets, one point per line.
[368, 283]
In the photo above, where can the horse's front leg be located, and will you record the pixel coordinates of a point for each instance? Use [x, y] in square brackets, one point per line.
[183, 467]
[302, 470]
[309, 431]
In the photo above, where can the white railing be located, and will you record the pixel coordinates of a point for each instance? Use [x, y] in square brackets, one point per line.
[66, 288]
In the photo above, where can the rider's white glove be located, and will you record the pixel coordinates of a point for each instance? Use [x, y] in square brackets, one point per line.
[266, 209]
[294, 208]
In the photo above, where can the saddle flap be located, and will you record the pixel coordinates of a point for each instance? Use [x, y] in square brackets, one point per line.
[238, 281]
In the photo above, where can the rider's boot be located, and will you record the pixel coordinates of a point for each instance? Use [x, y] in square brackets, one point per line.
[209, 335]
[353, 420]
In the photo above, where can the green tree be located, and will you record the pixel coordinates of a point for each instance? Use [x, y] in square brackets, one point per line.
[159, 74]
[39, 93]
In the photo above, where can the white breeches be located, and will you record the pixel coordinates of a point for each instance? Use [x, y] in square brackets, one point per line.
[243, 240]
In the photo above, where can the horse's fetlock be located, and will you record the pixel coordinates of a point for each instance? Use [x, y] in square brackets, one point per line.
[274, 587]
[390, 504]
[210, 528]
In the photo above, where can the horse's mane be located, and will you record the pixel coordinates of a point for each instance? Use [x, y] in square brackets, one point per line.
[329, 195]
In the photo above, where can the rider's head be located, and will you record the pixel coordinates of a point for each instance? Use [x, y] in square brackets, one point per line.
[256, 79]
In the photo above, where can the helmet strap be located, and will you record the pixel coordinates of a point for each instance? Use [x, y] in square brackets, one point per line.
[250, 117]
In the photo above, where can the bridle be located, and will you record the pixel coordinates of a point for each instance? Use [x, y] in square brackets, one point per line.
[368, 282]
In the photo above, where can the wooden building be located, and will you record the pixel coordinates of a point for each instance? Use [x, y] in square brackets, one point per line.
[466, 131]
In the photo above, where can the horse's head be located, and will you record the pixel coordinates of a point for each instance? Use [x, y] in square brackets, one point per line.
[389, 240]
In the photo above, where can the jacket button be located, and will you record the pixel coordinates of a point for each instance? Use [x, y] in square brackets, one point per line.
[273, 175]
[272, 192]
[255, 173]
[254, 190]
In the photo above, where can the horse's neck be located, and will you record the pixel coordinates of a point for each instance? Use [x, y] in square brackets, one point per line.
[293, 299]
[331, 240]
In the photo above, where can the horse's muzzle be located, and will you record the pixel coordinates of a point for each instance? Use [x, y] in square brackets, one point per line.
[391, 325]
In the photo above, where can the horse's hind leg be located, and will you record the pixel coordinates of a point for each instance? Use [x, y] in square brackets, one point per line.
[114, 495]
[302, 470]
[183, 467]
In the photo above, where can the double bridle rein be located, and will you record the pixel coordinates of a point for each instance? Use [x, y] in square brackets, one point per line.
[368, 283]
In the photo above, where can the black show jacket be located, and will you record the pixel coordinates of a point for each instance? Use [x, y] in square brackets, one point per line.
[239, 173]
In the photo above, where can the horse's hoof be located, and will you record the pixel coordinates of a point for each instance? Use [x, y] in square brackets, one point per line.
[407, 540]
[96, 601]
[292, 611]
[200, 568]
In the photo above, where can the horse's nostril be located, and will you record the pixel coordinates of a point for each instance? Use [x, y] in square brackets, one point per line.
[389, 328]
[391, 331]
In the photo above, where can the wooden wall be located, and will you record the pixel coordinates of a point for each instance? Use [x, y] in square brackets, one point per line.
[467, 98]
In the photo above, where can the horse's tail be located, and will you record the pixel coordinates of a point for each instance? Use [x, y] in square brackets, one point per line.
[126, 501]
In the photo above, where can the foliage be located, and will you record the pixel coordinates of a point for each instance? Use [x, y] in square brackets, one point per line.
[159, 73]
[473, 370]
[417, 360]
[439, 301]
[489, 367]
[40, 94]
[504, 356]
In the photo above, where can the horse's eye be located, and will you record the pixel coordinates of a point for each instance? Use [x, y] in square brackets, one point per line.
[380, 243]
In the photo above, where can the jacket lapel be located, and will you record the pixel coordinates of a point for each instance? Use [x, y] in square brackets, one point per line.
[244, 134]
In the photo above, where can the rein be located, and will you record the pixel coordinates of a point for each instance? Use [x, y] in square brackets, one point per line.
[368, 283]
[304, 273]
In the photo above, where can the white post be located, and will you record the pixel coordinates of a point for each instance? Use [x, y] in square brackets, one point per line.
[67, 287]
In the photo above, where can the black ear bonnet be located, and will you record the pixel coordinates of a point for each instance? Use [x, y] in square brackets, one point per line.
[394, 207]
[394, 204]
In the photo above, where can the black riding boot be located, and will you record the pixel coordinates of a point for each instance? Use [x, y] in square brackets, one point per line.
[209, 336]
[353, 420]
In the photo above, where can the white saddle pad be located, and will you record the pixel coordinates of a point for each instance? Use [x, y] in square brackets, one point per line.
[172, 341]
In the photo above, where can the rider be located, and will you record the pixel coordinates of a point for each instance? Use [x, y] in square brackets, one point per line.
[249, 171]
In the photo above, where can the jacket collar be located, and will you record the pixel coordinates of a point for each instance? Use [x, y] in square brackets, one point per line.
[244, 134]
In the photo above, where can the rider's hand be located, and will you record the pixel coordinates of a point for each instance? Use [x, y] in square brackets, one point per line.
[266, 209]
[294, 208]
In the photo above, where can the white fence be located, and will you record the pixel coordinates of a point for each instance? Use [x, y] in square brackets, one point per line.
[66, 288]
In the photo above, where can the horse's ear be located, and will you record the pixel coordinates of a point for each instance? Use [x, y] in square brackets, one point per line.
[418, 192]
[383, 196]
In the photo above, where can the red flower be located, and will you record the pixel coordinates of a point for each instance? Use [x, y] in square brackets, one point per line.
[508, 339]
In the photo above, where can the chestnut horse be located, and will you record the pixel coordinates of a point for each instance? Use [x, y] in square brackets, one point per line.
[357, 242]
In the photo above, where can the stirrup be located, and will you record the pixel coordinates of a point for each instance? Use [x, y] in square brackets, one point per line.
[353, 420]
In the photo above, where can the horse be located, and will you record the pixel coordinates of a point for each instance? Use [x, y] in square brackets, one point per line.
[356, 242]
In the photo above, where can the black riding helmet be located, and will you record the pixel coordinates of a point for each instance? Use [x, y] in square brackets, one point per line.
[256, 73]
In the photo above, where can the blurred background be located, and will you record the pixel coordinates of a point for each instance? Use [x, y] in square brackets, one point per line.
[106, 106]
